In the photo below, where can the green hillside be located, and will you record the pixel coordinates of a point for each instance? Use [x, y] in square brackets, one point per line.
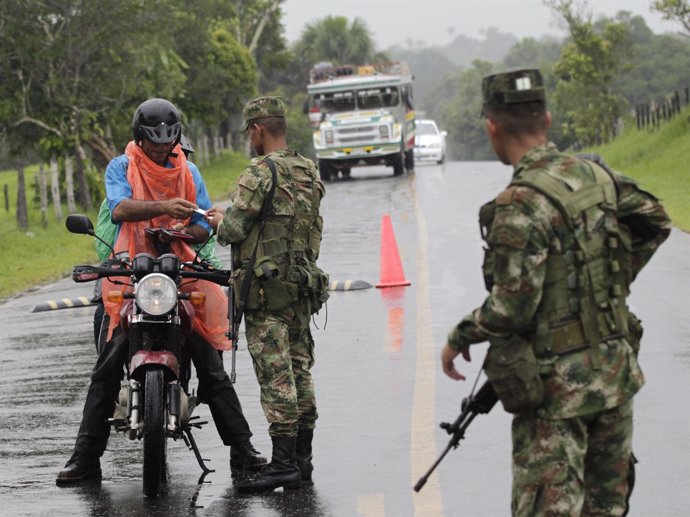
[659, 160]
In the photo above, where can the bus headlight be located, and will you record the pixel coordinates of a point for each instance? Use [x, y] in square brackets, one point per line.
[156, 294]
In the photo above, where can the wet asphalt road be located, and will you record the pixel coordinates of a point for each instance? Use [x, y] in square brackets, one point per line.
[380, 389]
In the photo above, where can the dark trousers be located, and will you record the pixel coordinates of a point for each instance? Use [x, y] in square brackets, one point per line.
[105, 386]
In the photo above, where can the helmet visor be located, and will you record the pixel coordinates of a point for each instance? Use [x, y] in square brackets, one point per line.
[162, 133]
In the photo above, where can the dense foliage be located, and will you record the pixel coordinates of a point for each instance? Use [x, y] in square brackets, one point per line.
[72, 71]
[594, 77]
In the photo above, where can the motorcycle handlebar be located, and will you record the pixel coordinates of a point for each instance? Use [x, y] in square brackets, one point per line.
[220, 277]
[87, 273]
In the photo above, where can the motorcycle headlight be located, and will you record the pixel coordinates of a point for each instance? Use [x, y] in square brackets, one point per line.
[156, 294]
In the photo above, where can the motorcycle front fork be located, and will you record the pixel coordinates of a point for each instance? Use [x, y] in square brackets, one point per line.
[128, 411]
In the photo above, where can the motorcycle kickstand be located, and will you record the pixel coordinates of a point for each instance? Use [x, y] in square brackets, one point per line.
[191, 444]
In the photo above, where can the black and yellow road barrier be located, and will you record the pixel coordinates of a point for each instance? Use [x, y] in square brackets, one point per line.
[348, 285]
[83, 301]
[65, 303]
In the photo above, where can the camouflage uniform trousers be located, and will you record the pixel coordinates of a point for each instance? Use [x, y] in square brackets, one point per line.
[581, 466]
[282, 350]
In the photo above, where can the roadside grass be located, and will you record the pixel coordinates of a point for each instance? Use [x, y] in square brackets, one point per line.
[659, 160]
[45, 254]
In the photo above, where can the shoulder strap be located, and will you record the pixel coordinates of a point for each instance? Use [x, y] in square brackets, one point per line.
[244, 292]
[598, 160]
[571, 202]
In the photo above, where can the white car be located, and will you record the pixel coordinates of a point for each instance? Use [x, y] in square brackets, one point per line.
[429, 142]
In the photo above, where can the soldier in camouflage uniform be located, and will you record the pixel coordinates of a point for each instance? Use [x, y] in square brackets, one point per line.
[564, 242]
[287, 287]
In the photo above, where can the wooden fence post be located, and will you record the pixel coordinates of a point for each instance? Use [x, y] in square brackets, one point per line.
[44, 194]
[55, 188]
[69, 185]
[5, 189]
[22, 214]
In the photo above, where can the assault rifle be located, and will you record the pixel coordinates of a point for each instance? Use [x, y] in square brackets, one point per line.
[233, 318]
[480, 403]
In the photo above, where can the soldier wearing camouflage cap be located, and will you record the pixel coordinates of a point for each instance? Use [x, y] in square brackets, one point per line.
[263, 107]
[288, 286]
[564, 241]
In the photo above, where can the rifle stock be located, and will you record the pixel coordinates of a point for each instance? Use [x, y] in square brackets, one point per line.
[480, 403]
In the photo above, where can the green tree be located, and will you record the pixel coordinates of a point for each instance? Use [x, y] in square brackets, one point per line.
[72, 63]
[660, 64]
[429, 67]
[675, 10]
[589, 65]
[336, 39]
[534, 53]
[456, 106]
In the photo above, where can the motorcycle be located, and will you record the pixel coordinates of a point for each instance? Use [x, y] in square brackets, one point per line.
[154, 403]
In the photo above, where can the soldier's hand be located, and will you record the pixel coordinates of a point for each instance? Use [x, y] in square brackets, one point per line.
[179, 208]
[215, 217]
[448, 355]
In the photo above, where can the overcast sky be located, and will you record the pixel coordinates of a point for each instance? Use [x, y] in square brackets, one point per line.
[437, 22]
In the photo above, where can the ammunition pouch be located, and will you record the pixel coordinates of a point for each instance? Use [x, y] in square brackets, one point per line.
[267, 291]
[312, 282]
[513, 370]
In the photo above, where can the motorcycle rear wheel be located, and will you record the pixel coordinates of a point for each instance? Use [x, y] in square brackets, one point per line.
[154, 433]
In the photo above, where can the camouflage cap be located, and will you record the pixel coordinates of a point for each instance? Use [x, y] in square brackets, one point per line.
[262, 107]
[513, 87]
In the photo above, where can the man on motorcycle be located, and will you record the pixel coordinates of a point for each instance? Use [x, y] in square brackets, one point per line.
[107, 230]
[152, 184]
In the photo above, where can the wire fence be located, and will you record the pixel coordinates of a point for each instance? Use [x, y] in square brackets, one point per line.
[654, 113]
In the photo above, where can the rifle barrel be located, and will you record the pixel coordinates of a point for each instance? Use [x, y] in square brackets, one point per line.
[481, 403]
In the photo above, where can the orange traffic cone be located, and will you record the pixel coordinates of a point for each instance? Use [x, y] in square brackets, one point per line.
[391, 267]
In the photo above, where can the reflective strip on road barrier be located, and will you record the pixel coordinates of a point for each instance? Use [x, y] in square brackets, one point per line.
[65, 303]
[348, 285]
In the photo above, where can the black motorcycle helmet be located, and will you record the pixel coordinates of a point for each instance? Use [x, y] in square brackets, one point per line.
[158, 121]
[186, 145]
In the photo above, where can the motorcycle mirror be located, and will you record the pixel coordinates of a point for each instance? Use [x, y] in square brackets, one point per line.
[77, 223]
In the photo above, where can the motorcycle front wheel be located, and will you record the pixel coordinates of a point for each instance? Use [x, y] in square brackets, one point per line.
[154, 432]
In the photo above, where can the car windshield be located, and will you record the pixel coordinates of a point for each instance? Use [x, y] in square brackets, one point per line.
[425, 129]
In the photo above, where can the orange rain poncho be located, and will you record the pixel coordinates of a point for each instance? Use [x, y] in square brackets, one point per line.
[152, 182]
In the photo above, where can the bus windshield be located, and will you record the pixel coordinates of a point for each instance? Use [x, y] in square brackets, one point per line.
[373, 98]
[364, 99]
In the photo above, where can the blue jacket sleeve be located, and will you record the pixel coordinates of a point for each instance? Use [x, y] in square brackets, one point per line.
[116, 186]
[203, 200]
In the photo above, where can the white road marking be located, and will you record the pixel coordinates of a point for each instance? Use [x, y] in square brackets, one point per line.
[372, 505]
[423, 447]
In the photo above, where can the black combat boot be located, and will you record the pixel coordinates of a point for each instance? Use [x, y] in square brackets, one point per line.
[79, 468]
[304, 439]
[281, 472]
[245, 456]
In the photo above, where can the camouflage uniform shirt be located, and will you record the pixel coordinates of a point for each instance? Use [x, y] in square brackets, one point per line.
[525, 227]
[253, 186]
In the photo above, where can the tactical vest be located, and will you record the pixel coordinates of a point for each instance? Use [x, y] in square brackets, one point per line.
[287, 226]
[586, 284]
[285, 270]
